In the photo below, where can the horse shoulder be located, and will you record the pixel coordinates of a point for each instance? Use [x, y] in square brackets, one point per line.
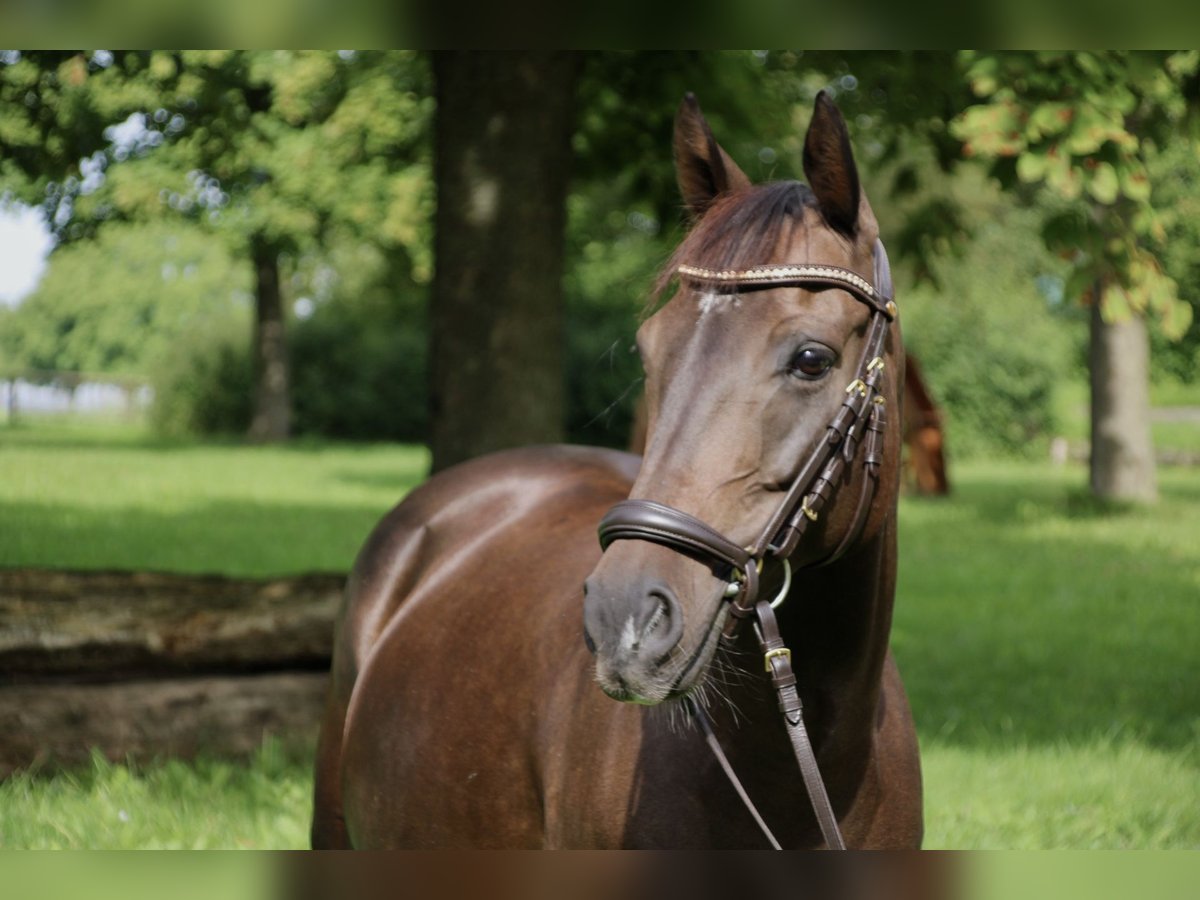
[474, 504]
[462, 563]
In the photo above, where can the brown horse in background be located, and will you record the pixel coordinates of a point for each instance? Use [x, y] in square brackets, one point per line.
[465, 709]
[924, 436]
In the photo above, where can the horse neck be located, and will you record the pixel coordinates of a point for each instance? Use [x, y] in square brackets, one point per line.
[836, 620]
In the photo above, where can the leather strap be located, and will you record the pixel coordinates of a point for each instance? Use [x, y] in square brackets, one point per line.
[697, 712]
[661, 524]
[779, 665]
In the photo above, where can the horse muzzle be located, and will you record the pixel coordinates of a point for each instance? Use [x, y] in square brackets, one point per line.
[633, 627]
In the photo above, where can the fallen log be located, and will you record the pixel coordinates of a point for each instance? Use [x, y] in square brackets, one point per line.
[61, 724]
[120, 625]
[139, 665]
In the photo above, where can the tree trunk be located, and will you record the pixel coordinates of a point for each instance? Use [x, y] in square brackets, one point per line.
[503, 152]
[1122, 460]
[272, 400]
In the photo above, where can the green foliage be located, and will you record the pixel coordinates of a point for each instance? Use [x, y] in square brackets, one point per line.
[205, 386]
[358, 355]
[359, 369]
[283, 151]
[1176, 174]
[120, 304]
[614, 252]
[276, 144]
[1087, 128]
[989, 347]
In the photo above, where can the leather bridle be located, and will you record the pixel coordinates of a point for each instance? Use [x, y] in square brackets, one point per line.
[860, 421]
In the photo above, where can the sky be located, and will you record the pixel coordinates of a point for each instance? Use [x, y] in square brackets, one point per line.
[24, 243]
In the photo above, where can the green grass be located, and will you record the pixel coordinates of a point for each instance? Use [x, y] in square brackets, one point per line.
[1049, 651]
[1048, 644]
[166, 805]
[1168, 392]
[1071, 415]
[79, 496]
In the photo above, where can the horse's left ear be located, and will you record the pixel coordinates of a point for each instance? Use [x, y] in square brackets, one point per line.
[703, 168]
[829, 166]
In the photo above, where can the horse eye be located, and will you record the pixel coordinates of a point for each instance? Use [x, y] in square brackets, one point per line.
[811, 362]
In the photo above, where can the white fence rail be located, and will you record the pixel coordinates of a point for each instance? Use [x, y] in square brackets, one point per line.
[73, 393]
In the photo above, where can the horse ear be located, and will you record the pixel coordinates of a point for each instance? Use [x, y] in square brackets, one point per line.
[829, 166]
[703, 169]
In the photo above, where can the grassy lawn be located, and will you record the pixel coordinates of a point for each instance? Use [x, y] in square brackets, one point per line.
[1049, 647]
[86, 496]
[1071, 412]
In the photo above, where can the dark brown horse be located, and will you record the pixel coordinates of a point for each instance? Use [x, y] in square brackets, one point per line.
[470, 674]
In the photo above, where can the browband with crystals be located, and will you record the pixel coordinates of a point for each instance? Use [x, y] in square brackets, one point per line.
[798, 273]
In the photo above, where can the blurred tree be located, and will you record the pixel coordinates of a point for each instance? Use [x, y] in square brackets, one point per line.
[503, 152]
[272, 149]
[1087, 129]
[624, 210]
[118, 304]
[1079, 136]
[1175, 174]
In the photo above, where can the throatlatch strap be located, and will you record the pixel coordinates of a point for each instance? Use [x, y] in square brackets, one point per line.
[710, 738]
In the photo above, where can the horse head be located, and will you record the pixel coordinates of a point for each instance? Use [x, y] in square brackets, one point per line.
[746, 369]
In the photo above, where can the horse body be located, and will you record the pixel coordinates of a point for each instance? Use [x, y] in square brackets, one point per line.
[471, 759]
[465, 711]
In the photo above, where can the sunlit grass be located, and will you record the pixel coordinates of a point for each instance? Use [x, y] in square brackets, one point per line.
[170, 804]
[1048, 644]
[74, 496]
[1094, 794]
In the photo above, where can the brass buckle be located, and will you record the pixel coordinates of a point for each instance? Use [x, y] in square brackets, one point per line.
[857, 385]
[778, 651]
[810, 513]
[876, 363]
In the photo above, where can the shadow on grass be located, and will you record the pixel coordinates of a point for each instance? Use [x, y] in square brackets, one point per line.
[1021, 619]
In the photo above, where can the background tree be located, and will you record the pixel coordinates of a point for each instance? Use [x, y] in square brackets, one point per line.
[503, 152]
[273, 149]
[119, 304]
[1087, 128]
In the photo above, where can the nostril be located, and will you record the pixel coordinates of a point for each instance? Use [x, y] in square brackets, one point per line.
[661, 606]
[588, 642]
[664, 626]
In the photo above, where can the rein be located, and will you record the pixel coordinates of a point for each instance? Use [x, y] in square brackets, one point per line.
[859, 422]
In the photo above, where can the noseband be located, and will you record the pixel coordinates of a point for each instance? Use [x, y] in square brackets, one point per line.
[859, 421]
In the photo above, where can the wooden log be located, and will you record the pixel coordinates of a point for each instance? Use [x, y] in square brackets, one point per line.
[116, 625]
[60, 724]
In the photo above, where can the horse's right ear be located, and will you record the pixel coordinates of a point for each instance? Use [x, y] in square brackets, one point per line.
[703, 169]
